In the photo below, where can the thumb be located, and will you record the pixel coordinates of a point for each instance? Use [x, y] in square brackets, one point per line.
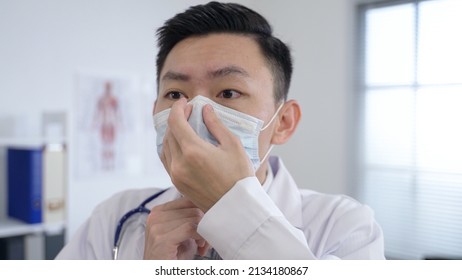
[202, 248]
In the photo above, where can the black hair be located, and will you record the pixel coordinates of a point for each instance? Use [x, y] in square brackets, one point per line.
[232, 18]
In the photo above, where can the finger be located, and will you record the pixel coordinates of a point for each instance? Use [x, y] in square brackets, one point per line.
[157, 228]
[201, 243]
[179, 203]
[216, 126]
[202, 247]
[178, 214]
[182, 233]
[173, 146]
[170, 245]
[179, 126]
[165, 156]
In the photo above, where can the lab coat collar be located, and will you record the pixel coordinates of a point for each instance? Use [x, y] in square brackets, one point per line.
[170, 194]
[285, 193]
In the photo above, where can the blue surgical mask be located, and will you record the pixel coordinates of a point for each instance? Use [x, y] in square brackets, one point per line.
[244, 126]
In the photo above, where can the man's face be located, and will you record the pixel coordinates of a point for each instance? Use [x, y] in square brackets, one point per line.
[229, 69]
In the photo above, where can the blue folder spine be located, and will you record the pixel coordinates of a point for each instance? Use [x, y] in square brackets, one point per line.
[25, 184]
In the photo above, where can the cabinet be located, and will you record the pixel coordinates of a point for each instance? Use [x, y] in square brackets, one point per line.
[19, 240]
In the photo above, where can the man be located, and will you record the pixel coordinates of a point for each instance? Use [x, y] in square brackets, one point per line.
[222, 104]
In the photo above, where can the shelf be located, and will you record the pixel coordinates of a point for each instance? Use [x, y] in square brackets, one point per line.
[11, 227]
[28, 142]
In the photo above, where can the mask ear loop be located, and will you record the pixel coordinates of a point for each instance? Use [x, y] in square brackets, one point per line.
[273, 117]
[267, 153]
[266, 126]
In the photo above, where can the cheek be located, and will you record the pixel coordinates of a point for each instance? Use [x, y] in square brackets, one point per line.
[264, 141]
[161, 105]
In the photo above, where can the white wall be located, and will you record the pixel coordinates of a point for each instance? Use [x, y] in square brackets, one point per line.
[44, 44]
[320, 34]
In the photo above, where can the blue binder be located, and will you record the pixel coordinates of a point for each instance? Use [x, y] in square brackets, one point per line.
[24, 170]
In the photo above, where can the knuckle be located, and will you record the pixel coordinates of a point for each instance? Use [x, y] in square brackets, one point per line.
[156, 210]
[153, 232]
[190, 227]
[175, 180]
[197, 212]
[190, 152]
[160, 239]
[177, 174]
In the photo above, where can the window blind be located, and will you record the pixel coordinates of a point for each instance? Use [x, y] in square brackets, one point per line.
[411, 125]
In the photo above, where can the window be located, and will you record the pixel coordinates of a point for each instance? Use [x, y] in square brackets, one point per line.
[411, 125]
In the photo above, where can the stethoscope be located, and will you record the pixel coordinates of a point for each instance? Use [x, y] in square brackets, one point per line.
[120, 225]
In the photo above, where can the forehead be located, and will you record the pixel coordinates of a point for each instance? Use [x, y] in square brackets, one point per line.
[197, 56]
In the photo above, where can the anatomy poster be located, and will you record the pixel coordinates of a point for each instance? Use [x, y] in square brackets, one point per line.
[113, 131]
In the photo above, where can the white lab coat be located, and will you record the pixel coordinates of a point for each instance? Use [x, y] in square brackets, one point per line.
[278, 221]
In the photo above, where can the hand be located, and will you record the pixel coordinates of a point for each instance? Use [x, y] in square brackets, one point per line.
[171, 232]
[199, 170]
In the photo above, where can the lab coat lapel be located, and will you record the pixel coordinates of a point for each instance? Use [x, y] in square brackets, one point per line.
[285, 193]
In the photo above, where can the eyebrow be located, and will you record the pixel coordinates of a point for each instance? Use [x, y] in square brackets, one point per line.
[175, 76]
[218, 73]
[228, 70]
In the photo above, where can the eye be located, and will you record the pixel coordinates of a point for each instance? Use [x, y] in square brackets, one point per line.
[174, 95]
[229, 94]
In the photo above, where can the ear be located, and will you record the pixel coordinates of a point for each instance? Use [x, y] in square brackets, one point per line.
[287, 123]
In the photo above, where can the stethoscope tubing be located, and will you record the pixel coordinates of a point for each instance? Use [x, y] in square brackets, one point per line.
[140, 209]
